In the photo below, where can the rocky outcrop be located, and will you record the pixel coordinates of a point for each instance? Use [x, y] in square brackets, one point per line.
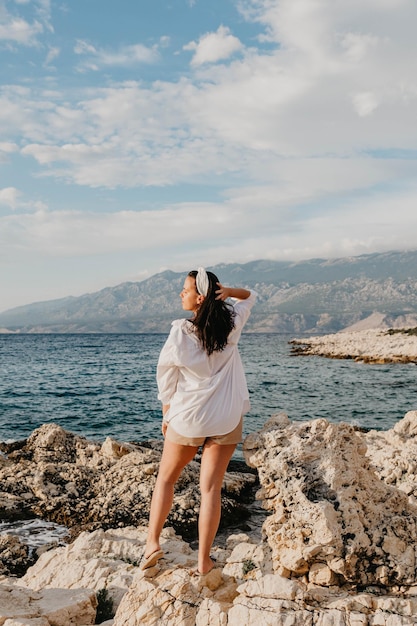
[103, 560]
[14, 556]
[393, 455]
[369, 346]
[61, 477]
[333, 520]
[51, 607]
[242, 590]
[338, 546]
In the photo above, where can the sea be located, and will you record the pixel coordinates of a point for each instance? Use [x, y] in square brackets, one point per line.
[99, 385]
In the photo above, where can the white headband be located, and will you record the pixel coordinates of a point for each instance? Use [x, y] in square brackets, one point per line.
[202, 281]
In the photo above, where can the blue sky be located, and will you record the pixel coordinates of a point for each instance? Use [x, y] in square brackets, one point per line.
[139, 135]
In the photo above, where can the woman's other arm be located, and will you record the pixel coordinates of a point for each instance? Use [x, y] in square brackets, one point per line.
[165, 408]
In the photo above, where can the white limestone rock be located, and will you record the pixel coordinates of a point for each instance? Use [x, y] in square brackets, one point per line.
[115, 449]
[370, 346]
[37, 621]
[169, 594]
[49, 607]
[340, 515]
[245, 561]
[393, 454]
[102, 560]
[329, 507]
[175, 596]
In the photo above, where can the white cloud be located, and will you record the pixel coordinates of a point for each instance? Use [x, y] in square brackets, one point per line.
[9, 197]
[123, 57]
[213, 47]
[19, 31]
[13, 199]
[7, 148]
[14, 29]
[336, 91]
[53, 53]
[365, 103]
[358, 46]
[164, 41]
[71, 233]
[233, 230]
[83, 47]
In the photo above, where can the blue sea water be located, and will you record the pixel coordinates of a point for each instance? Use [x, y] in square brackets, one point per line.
[100, 385]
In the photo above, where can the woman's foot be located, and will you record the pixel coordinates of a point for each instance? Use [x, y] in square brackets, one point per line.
[206, 566]
[152, 559]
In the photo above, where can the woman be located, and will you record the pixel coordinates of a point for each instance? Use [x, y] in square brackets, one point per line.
[203, 391]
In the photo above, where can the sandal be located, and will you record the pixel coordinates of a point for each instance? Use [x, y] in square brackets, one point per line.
[151, 560]
[196, 571]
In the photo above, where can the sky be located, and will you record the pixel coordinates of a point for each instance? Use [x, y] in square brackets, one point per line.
[144, 135]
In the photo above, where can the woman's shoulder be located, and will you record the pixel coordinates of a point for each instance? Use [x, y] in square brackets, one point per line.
[181, 324]
[182, 327]
[182, 334]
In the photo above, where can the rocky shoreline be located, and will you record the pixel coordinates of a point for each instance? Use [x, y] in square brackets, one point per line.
[64, 478]
[369, 346]
[338, 546]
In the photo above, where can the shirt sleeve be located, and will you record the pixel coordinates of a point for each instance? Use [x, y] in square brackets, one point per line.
[242, 310]
[167, 370]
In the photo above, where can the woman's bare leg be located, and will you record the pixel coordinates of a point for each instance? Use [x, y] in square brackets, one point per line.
[174, 458]
[214, 462]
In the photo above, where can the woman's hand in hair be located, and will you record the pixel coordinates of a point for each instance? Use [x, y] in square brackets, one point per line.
[222, 293]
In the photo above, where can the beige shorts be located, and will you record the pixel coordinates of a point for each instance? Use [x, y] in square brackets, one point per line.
[234, 437]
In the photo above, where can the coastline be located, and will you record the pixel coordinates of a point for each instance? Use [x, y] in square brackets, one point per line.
[369, 346]
[337, 545]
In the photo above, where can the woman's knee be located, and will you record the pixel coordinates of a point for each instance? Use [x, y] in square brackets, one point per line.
[212, 476]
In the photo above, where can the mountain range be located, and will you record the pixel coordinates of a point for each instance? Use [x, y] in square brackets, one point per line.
[313, 296]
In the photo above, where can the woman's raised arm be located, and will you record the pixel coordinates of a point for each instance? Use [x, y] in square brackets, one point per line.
[222, 293]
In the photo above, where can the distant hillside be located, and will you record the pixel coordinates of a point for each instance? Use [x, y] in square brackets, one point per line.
[310, 296]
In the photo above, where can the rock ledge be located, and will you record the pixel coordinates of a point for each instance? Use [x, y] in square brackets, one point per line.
[369, 346]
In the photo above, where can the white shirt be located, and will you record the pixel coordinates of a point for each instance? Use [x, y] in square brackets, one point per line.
[207, 394]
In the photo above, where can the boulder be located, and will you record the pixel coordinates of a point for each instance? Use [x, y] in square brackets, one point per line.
[333, 520]
[50, 607]
[14, 556]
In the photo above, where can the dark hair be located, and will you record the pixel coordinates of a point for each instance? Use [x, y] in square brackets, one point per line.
[214, 319]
